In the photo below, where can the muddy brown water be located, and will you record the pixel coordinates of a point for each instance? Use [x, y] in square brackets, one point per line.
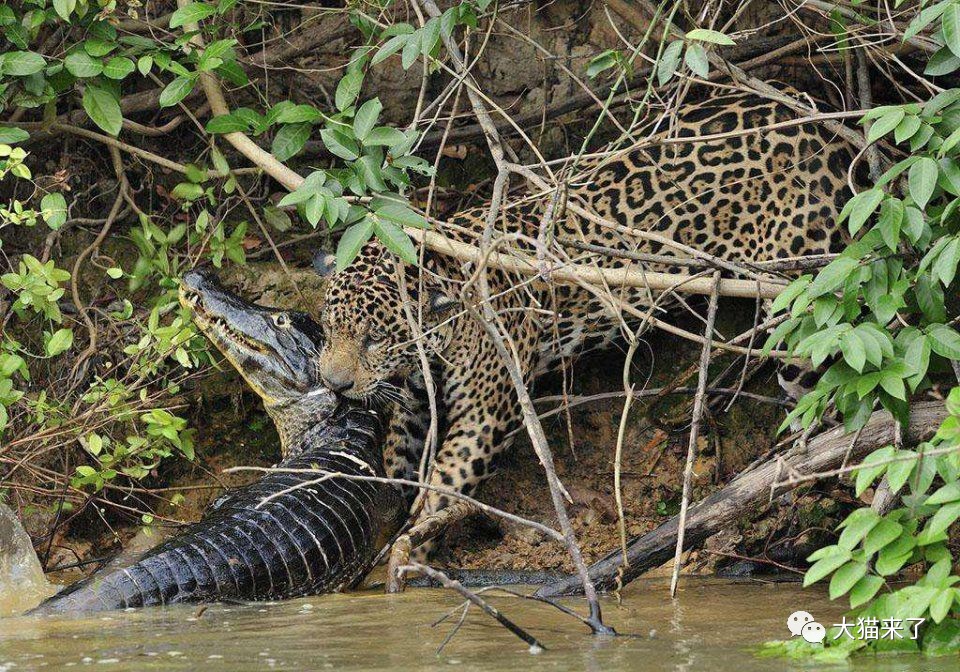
[714, 626]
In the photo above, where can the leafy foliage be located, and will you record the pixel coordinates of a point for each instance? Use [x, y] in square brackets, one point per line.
[128, 428]
[876, 320]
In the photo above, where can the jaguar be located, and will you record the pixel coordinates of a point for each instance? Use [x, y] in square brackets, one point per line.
[735, 175]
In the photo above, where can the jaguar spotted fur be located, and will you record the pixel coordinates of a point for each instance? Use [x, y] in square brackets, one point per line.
[763, 190]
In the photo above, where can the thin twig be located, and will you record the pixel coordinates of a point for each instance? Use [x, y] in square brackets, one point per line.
[694, 433]
[490, 610]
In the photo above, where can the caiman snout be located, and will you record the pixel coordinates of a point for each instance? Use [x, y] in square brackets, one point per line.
[194, 284]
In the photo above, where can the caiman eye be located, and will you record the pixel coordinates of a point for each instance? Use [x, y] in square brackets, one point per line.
[282, 320]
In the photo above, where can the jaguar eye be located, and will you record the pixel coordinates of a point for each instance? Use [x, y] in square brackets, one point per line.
[375, 337]
[281, 320]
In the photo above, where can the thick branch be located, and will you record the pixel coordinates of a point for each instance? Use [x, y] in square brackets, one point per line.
[729, 505]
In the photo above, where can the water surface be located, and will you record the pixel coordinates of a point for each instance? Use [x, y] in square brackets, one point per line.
[711, 627]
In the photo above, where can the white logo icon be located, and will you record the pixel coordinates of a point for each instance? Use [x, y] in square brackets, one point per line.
[813, 632]
[797, 620]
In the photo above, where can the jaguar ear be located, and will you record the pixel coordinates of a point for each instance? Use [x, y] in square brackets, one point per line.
[439, 303]
[325, 264]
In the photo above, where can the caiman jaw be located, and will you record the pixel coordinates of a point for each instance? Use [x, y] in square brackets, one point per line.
[216, 328]
[229, 341]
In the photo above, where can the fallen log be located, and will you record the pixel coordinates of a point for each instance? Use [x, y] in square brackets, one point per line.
[771, 478]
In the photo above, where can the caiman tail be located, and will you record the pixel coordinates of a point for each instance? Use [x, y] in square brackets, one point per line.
[307, 527]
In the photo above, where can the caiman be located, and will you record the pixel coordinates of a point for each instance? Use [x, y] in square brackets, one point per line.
[312, 525]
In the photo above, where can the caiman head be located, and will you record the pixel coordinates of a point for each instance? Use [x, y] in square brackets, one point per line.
[274, 350]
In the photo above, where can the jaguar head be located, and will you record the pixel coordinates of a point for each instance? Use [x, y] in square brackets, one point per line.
[369, 346]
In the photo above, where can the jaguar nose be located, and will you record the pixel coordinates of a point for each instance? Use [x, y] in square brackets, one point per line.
[337, 383]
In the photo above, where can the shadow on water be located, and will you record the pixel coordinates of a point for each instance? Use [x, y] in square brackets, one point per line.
[712, 626]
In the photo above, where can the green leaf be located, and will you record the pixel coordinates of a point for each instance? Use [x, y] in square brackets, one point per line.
[339, 144]
[893, 385]
[871, 468]
[81, 64]
[144, 63]
[825, 566]
[402, 215]
[396, 240]
[118, 67]
[348, 89]
[930, 299]
[187, 191]
[371, 172]
[277, 218]
[846, 578]
[696, 60]
[942, 639]
[854, 352]
[430, 36]
[944, 341]
[103, 109]
[859, 208]
[384, 136]
[899, 472]
[98, 47]
[832, 276]
[9, 135]
[890, 221]
[949, 143]
[227, 123]
[951, 28]
[61, 341]
[389, 48]
[889, 121]
[366, 118]
[22, 63]
[948, 493]
[314, 208]
[711, 36]
[883, 533]
[942, 519]
[115, 272]
[907, 128]
[923, 180]
[889, 563]
[913, 223]
[352, 241]
[864, 590]
[219, 48]
[64, 8]
[857, 525]
[943, 62]
[54, 207]
[298, 113]
[603, 61]
[176, 90]
[411, 50]
[945, 267]
[289, 140]
[192, 13]
[669, 60]
[923, 19]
